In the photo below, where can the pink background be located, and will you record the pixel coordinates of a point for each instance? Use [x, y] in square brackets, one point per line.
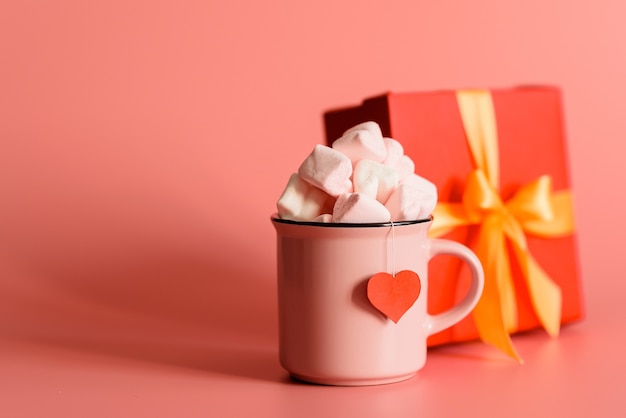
[143, 147]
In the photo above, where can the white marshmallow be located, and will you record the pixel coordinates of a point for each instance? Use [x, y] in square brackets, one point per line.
[324, 218]
[327, 169]
[414, 198]
[420, 183]
[374, 179]
[300, 201]
[359, 208]
[404, 166]
[408, 203]
[371, 126]
[395, 151]
[361, 144]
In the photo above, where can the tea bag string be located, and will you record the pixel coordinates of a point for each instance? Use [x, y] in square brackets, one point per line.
[393, 250]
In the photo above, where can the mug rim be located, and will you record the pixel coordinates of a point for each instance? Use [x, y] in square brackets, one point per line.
[275, 218]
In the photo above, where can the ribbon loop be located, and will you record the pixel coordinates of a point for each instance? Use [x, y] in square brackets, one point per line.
[532, 201]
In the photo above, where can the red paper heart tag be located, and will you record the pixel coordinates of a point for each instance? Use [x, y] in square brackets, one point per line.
[393, 296]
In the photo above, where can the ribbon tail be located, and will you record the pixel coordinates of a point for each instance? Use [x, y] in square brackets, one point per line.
[507, 293]
[490, 314]
[545, 294]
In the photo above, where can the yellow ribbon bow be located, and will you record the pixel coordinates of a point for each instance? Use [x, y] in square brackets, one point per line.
[534, 209]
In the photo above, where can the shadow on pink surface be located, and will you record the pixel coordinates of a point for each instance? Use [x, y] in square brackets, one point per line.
[190, 309]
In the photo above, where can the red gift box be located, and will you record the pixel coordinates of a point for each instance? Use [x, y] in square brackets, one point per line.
[529, 145]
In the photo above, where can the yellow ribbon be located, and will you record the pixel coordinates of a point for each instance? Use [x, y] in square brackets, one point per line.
[534, 209]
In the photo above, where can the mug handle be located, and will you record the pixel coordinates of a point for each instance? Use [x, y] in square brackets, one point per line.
[443, 320]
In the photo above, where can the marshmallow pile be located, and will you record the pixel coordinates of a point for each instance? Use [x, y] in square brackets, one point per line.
[363, 177]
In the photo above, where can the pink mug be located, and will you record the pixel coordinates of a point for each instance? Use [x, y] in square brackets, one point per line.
[330, 332]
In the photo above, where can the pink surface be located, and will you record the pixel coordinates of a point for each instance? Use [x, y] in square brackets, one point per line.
[144, 145]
